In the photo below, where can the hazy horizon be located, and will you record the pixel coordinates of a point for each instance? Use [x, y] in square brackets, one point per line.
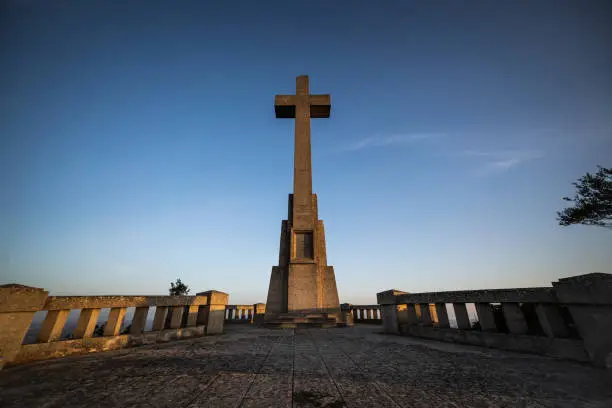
[139, 143]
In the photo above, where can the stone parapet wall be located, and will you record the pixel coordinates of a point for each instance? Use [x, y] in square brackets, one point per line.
[366, 314]
[541, 295]
[250, 314]
[253, 314]
[43, 351]
[572, 319]
[175, 317]
[101, 302]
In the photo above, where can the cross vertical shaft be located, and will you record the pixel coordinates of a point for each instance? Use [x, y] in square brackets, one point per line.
[302, 161]
[302, 106]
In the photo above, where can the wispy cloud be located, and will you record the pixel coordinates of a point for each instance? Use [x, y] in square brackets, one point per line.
[391, 140]
[491, 162]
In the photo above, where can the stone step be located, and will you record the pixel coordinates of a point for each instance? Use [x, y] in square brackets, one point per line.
[288, 322]
[294, 320]
[296, 325]
[305, 319]
[302, 315]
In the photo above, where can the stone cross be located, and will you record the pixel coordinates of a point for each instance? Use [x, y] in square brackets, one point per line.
[302, 286]
[302, 106]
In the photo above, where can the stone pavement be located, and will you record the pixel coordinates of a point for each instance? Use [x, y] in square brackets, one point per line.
[346, 367]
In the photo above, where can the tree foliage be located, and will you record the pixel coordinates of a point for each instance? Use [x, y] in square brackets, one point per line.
[592, 202]
[178, 288]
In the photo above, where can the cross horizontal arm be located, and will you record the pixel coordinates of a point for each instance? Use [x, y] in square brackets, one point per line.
[284, 105]
[320, 106]
[319, 100]
[285, 100]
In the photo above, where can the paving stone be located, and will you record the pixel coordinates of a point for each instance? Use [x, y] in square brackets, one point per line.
[346, 367]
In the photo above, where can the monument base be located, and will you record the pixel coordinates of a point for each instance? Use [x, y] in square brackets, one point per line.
[302, 289]
[293, 320]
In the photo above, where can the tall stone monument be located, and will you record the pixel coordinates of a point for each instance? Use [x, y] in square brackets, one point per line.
[302, 286]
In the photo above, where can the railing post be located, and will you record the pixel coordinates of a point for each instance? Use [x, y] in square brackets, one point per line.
[461, 315]
[177, 316]
[589, 300]
[425, 315]
[139, 321]
[346, 315]
[192, 315]
[159, 321]
[390, 319]
[485, 317]
[115, 319]
[390, 313]
[259, 312]
[213, 314]
[18, 304]
[442, 314]
[53, 325]
[411, 314]
[402, 315]
[514, 318]
[551, 320]
[86, 323]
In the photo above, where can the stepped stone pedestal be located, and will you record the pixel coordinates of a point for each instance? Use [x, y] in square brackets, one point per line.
[302, 287]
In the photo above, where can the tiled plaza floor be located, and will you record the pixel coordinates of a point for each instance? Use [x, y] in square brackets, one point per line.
[347, 367]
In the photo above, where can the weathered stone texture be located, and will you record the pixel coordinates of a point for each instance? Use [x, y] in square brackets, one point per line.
[52, 326]
[390, 319]
[349, 367]
[87, 323]
[302, 282]
[442, 315]
[18, 304]
[514, 318]
[461, 316]
[543, 295]
[101, 302]
[303, 287]
[114, 322]
[590, 303]
[139, 321]
[551, 321]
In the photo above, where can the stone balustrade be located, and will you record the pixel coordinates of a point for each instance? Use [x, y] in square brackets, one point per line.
[572, 319]
[174, 317]
[369, 314]
[254, 314]
[245, 313]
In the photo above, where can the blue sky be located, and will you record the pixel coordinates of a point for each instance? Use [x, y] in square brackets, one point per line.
[139, 143]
